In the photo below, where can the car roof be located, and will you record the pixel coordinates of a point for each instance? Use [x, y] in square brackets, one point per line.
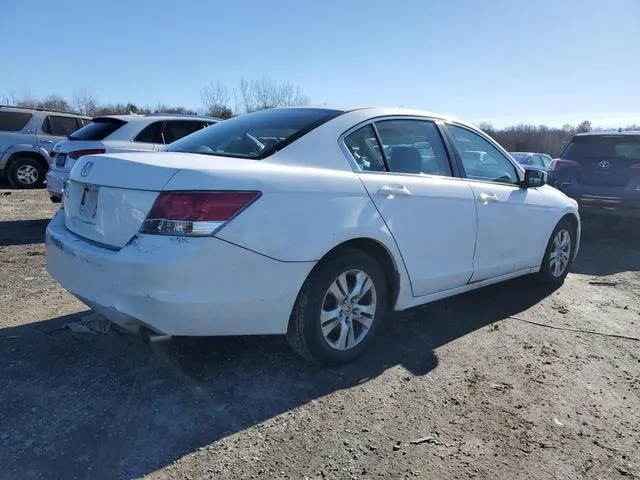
[44, 110]
[132, 117]
[375, 111]
[608, 133]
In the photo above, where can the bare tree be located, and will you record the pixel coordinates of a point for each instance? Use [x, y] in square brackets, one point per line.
[215, 97]
[265, 93]
[85, 101]
[54, 102]
[584, 127]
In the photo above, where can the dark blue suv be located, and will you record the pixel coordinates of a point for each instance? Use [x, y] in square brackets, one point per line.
[601, 171]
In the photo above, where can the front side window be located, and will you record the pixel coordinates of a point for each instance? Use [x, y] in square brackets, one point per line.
[480, 159]
[254, 135]
[413, 146]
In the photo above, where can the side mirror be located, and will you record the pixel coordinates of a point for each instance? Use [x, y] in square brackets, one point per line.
[534, 178]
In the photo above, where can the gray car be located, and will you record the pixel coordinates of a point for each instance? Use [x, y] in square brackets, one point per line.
[601, 170]
[27, 136]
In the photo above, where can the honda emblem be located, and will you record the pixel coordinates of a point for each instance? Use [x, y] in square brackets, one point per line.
[86, 169]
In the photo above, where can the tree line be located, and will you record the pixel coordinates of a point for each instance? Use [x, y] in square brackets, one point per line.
[540, 138]
[217, 100]
[263, 93]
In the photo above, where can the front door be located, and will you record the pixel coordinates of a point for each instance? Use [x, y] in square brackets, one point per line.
[512, 222]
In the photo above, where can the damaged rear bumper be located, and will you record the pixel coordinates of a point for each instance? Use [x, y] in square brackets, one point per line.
[177, 286]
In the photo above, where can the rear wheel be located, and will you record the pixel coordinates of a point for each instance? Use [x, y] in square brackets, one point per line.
[339, 310]
[26, 172]
[559, 254]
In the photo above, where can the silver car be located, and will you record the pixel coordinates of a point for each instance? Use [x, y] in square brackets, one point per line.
[27, 136]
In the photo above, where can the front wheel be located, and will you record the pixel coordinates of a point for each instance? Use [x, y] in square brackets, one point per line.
[339, 310]
[559, 254]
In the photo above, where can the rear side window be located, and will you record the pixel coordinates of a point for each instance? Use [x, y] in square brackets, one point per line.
[98, 129]
[177, 129]
[60, 126]
[13, 121]
[150, 133]
[255, 135]
[603, 147]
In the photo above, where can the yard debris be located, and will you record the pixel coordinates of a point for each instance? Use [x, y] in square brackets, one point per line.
[558, 422]
[602, 283]
[427, 439]
[94, 324]
[501, 386]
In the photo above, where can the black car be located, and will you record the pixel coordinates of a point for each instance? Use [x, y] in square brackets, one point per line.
[601, 171]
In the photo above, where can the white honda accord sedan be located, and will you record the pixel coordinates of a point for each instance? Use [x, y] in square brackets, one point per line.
[312, 222]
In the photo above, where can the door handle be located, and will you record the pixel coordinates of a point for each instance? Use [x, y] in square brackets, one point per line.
[391, 191]
[486, 197]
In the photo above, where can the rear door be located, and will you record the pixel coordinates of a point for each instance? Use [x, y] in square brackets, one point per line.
[55, 128]
[431, 215]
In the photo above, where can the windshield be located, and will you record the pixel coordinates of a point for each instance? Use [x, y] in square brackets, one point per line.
[254, 135]
[603, 146]
[519, 156]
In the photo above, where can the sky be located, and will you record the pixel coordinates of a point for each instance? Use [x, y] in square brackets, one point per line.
[499, 61]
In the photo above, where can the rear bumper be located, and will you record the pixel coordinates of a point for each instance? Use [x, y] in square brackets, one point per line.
[55, 182]
[608, 211]
[177, 286]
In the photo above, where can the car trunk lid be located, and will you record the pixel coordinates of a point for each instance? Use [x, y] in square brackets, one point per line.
[107, 198]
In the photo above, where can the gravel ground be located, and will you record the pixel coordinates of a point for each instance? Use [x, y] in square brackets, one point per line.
[511, 381]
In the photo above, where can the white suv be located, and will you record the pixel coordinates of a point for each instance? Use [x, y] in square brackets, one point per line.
[118, 133]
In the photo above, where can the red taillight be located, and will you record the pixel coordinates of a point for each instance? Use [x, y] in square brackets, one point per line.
[79, 153]
[195, 213]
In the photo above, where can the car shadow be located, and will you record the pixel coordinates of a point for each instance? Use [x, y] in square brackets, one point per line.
[23, 232]
[607, 250]
[110, 406]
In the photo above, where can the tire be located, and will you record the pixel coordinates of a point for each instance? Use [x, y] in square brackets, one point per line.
[305, 333]
[548, 274]
[25, 172]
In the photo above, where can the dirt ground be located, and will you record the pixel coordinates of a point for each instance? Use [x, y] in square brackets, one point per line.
[507, 382]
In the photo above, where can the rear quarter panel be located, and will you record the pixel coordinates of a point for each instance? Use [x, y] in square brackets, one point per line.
[302, 213]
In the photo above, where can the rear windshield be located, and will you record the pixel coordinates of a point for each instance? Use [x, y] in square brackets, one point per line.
[254, 135]
[98, 129]
[13, 121]
[603, 146]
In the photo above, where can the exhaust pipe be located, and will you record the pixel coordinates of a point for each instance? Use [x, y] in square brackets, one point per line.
[149, 336]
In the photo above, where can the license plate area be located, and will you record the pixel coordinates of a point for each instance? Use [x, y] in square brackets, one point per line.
[88, 202]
